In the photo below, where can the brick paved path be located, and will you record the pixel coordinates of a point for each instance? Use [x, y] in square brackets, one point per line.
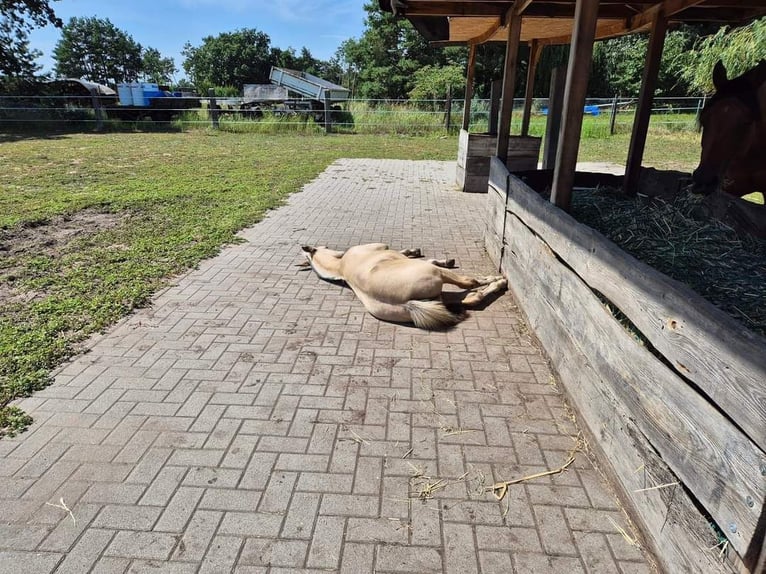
[256, 419]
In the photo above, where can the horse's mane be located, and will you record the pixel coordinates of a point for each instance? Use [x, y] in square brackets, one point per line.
[744, 88]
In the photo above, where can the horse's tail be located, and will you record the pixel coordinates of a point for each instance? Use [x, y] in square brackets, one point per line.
[431, 314]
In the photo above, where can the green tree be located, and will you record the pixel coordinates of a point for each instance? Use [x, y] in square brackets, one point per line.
[434, 81]
[740, 49]
[618, 64]
[94, 49]
[384, 60]
[155, 68]
[17, 19]
[229, 59]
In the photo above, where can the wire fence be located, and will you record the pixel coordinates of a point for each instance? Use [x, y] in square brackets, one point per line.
[603, 116]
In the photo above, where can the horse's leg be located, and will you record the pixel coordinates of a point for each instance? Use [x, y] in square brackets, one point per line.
[465, 281]
[475, 297]
[417, 253]
[443, 263]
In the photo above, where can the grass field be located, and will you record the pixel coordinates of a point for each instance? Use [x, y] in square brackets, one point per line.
[91, 225]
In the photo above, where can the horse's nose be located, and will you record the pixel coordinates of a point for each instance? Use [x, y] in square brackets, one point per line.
[704, 181]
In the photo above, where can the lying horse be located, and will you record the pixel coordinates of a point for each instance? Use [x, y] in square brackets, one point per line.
[734, 134]
[396, 286]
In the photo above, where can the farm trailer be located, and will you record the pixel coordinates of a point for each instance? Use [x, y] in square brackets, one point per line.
[259, 99]
[318, 97]
[325, 96]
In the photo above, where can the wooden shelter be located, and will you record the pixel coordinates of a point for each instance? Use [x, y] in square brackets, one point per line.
[579, 23]
[679, 410]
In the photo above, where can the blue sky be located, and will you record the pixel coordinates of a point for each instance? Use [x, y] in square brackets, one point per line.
[319, 25]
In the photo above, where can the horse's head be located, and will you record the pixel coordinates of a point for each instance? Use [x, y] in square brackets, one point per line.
[729, 123]
[309, 251]
[325, 262]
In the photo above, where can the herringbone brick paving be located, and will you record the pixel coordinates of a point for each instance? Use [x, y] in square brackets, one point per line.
[256, 419]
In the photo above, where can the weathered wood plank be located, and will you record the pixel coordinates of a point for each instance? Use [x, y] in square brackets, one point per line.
[681, 537]
[708, 453]
[483, 145]
[493, 234]
[475, 151]
[712, 458]
[704, 344]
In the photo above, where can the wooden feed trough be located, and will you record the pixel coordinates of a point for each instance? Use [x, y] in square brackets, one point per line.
[678, 413]
[475, 150]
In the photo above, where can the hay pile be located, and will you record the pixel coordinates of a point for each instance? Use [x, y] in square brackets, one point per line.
[677, 238]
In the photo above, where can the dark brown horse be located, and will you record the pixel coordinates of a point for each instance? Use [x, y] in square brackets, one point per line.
[734, 134]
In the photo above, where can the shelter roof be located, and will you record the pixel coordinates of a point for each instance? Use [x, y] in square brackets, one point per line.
[552, 21]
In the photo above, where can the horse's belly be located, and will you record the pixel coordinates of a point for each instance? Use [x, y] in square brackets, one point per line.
[382, 310]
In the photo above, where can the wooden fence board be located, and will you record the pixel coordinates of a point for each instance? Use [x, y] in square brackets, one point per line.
[703, 344]
[680, 535]
[711, 456]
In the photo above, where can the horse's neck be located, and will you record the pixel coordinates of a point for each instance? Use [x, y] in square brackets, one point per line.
[326, 264]
[759, 145]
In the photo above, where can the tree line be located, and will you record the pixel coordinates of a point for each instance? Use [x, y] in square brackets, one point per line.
[389, 61]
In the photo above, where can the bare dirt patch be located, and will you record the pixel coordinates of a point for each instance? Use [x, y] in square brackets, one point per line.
[49, 239]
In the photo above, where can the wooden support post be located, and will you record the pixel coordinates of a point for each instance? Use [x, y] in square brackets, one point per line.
[496, 91]
[613, 117]
[586, 14]
[469, 86]
[212, 108]
[553, 121]
[509, 85]
[534, 56]
[645, 99]
[448, 110]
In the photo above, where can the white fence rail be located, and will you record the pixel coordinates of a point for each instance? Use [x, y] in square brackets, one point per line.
[604, 115]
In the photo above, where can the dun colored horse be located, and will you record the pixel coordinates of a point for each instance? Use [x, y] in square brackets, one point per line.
[734, 134]
[396, 286]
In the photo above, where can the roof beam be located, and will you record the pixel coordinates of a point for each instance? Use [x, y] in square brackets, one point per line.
[487, 34]
[427, 8]
[520, 6]
[667, 9]
[635, 23]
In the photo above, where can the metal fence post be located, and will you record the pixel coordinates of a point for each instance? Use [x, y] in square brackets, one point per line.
[327, 114]
[448, 109]
[494, 105]
[613, 117]
[212, 107]
[97, 111]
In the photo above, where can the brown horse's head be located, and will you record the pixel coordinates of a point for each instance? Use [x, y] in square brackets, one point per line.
[732, 133]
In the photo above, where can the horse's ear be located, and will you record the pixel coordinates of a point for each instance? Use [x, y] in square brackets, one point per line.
[719, 75]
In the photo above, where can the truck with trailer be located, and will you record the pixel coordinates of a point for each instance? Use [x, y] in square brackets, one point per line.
[316, 96]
